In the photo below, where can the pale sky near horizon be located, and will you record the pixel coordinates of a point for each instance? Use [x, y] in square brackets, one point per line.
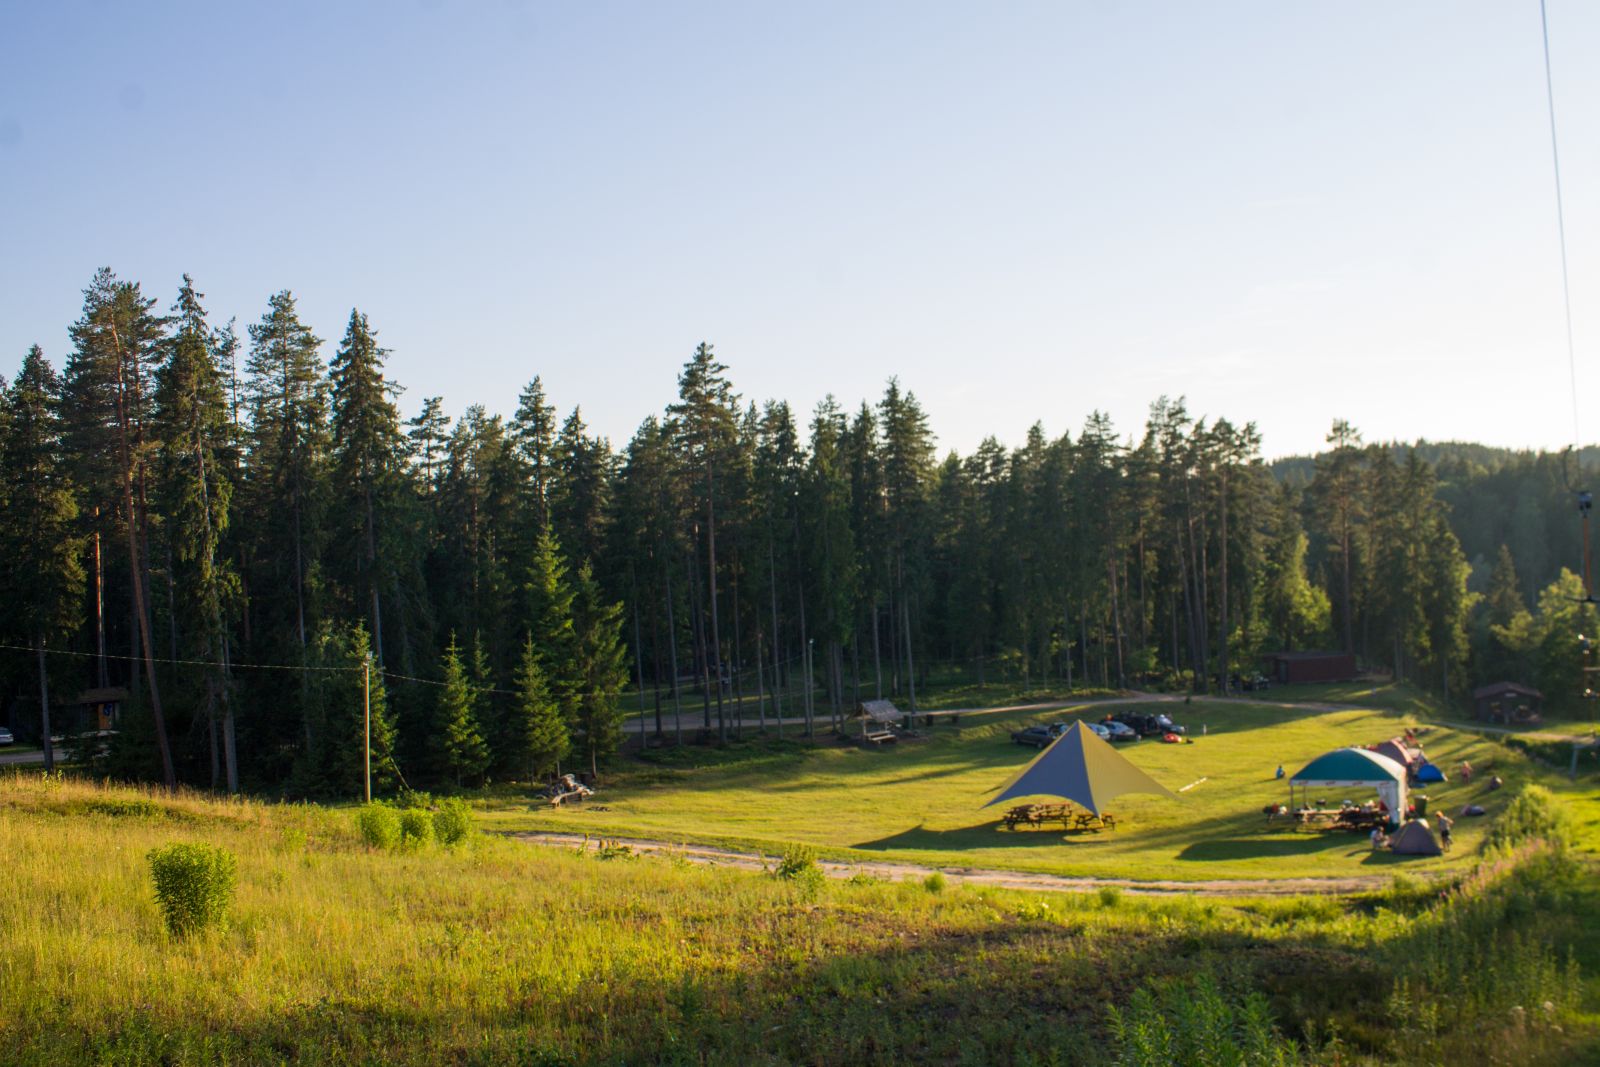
[1285, 212]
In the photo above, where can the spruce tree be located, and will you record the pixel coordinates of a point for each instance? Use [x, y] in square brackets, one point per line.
[601, 670]
[42, 550]
[537, 740]
[368, 450]
[459, 737]
[195, 438]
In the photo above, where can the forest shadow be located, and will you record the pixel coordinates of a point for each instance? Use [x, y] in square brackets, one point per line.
[1246, 848]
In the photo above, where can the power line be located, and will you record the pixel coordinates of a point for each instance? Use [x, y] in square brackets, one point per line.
[1561, 229]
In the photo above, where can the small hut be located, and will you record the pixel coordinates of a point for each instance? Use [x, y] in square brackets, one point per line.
[1289, 668]
[880, 720]
[1507, 702]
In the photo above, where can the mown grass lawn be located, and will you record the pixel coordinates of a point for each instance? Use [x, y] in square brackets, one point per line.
[922, 801]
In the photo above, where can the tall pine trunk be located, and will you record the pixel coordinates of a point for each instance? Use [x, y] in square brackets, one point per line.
[44, 712]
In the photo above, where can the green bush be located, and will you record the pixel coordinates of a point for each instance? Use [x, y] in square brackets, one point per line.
[1534, 815]
[452, 823]
[934, 883]
[379, 825]
[194, 885]
[416, 828]
[799, 865]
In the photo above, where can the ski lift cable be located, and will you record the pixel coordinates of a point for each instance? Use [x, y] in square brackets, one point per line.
[1561, 230]
[1585, 501]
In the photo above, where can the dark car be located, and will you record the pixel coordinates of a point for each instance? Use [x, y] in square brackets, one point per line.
[1120, 731]
[1142, 724]
[1039, 736]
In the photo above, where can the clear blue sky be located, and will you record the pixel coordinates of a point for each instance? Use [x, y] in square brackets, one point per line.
[1286, 211]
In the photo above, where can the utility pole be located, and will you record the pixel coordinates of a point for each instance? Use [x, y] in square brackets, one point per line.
[366, 725]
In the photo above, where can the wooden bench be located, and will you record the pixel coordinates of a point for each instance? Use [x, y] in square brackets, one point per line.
[883, 736]
[561, 798]
[1088, 820]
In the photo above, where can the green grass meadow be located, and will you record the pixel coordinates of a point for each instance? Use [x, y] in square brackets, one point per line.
[499, 952]
[922, 801]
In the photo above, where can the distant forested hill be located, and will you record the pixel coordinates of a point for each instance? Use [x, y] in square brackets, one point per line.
[1521, 499]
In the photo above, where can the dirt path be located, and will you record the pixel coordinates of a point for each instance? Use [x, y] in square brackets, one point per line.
[755, 861]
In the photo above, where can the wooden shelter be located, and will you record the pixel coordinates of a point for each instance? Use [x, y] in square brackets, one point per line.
[880, 720]
[1508, 702]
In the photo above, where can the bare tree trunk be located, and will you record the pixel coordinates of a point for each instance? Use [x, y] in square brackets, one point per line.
[1116, 621]
[777, 676]
[877, 656]
[44, 713]
[911, 669]
[672, 646]
[716, 628]
[230, 760]
[102, 676]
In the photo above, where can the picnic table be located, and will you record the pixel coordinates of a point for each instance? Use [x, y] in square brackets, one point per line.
[1038, 815]
[1342, 818]
[1088, 820]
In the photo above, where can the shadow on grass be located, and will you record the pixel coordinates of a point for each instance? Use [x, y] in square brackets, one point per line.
[1248, 848]
[987, 835]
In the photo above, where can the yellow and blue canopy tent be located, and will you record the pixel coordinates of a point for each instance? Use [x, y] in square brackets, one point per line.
[1080, 767]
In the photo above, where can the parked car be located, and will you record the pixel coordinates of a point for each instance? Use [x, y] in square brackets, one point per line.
[5, 736]
[1100, 730]
[1142, 724]
[1039, 736]
[1119, 731]
[1168, 726]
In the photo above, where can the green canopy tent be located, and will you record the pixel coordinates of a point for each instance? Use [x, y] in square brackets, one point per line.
[1355, 768]
[1080, 767]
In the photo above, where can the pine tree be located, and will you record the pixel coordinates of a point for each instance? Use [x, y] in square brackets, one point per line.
[286, 472]
[195, 439]
[601, 670]
[550, 621]
[118, 341]
[368, 458]
[537, 740]
[458, 735]
[41, 568]
[704, 424]
[533, 428]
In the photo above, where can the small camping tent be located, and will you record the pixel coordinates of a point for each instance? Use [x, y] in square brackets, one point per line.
[1408, 756]
[1414, 839]
[1429, 774]
[1352, 768]
[1079, 766]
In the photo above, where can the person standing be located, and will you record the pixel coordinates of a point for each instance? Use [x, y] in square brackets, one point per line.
[1445, 824]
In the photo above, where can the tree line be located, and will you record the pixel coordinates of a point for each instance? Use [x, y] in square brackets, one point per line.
[243, 532]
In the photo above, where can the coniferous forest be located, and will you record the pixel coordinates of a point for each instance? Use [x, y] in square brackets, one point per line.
[239, 528]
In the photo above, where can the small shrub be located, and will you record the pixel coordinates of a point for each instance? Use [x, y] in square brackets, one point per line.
[797, 859]
[194, 885]
[416, 828]
[799, 865]
[614, 850]
[1110, 896]
[1034, 911]
[935, 882]
[452, 823]
[379, 825]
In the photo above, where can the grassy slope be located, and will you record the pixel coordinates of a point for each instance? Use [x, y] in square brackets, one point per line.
[922, 802]
[500, 953]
